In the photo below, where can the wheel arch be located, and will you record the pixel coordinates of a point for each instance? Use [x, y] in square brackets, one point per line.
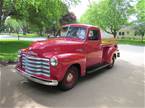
[114, 55]
[111, 53]
[78, 66]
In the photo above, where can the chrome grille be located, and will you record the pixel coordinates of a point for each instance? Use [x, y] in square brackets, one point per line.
[35, 65]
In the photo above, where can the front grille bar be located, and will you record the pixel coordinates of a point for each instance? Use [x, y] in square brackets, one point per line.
[36, 65]
[37, 73]
[34, 58]
[33, 69]
[36, 62]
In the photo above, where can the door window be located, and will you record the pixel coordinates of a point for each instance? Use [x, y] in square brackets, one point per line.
[93, 35]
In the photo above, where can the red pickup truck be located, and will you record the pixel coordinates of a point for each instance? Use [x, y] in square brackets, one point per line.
[77, 51]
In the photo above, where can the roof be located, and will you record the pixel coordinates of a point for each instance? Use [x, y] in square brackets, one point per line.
[82, 25]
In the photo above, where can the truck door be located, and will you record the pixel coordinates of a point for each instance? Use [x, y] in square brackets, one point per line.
[93, 47]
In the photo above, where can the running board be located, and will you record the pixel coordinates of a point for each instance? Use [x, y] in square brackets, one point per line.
[98, 68]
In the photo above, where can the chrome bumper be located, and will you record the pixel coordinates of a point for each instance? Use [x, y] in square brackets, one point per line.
[118, 53]
[37, 80]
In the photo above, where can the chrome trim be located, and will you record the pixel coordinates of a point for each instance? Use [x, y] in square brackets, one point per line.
[36, 62]
[33, 69]
[33, 66]
[35, 58]
[37, 73]
[38, 66]
[117, 53]
[44, 82]
[37, 70]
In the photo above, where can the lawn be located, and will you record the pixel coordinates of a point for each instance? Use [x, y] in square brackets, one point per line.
[131, 42]
[9, 49]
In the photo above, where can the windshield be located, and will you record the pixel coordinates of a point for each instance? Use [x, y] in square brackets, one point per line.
[73, 32]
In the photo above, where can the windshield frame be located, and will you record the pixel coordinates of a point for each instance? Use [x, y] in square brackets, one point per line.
[69, 26]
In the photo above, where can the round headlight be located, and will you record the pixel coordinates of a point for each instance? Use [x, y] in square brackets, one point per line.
[53, 61]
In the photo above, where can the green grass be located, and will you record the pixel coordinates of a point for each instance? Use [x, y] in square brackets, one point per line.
[131, 42]
[9, 49]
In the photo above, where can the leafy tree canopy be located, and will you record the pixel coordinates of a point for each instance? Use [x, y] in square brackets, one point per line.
[39, 13]
[141, 10]
[140, 23]
[110, 15]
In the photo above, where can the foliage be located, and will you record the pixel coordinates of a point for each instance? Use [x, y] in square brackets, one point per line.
[140, 23]
[141, 10]
[39, 14]
[13, 25]
[110, 15]
[68, 18]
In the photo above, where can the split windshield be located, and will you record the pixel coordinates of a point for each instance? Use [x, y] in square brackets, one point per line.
[73, 32]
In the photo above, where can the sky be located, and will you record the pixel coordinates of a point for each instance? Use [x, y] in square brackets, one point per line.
[81, 8]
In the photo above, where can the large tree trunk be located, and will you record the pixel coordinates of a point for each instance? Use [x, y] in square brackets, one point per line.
[142, 38]
[1, 5]
[115, 34]
[25, 30]
[18, 35]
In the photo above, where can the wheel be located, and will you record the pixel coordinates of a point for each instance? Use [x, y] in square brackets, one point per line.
[70, 79]
[112, 63]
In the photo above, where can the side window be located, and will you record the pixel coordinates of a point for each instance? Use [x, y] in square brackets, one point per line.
[93, 35]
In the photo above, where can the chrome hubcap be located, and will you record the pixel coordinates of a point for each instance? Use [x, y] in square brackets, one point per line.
[69, 77]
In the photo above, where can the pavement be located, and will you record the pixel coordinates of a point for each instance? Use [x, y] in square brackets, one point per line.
[9, 37]
[119, 87]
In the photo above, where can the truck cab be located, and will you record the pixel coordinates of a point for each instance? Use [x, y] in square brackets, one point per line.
[76, 51]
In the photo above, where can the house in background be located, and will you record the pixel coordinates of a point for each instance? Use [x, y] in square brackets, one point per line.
[128, 32]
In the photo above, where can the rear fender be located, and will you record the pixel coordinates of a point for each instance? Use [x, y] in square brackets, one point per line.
[110, 53]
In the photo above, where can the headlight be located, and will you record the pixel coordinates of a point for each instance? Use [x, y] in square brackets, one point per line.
[53, 61]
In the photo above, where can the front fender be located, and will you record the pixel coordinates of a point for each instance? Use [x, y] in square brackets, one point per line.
[66, 60]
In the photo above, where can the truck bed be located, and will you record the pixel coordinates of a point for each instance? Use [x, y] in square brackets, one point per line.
[109, 41]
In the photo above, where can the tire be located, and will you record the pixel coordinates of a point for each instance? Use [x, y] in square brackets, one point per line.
[70, 79]
[112, 63]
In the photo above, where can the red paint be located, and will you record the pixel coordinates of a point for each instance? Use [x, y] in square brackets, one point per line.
[71, 51]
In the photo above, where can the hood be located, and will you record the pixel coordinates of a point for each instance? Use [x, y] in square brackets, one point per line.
[56, 45]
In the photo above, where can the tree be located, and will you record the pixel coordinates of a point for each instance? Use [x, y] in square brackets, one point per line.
[39, 13]
[141, 10]
[14, 25]
[68, 18]
[1, 19]
[140, 23]
[110, 15]
[1, 4]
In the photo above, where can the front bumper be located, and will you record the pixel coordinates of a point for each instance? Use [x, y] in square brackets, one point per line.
[37, 80]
